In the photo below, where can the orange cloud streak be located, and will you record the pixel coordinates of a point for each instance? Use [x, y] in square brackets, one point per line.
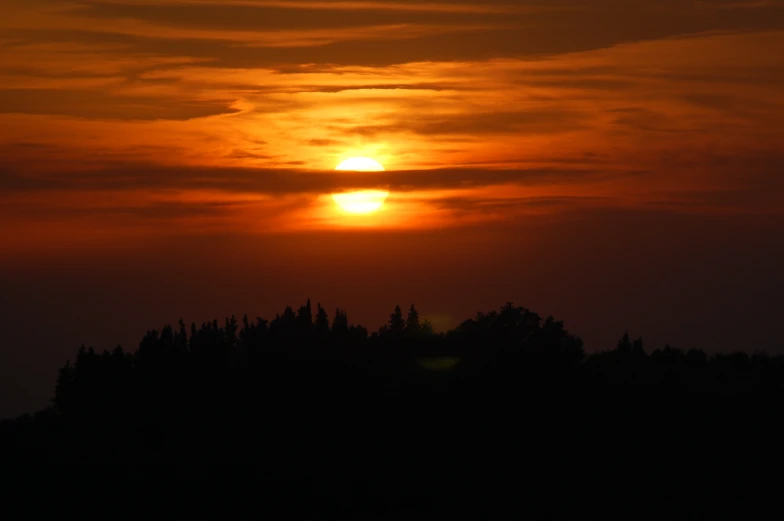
[676, 122]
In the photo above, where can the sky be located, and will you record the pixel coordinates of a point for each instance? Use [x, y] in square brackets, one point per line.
[615, 163]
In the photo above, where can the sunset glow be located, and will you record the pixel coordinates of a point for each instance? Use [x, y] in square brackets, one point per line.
[608, 162]
[361, 202]
[360, 164]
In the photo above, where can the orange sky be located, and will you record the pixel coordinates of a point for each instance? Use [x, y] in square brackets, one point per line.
[195, 115]
[132, 125]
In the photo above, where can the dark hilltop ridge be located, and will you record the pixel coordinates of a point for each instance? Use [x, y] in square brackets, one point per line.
[503, 414]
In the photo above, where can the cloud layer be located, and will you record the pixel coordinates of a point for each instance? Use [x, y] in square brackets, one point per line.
[191, 114]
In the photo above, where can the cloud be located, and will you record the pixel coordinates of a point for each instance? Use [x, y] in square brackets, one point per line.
[265, 182]
[504, 207]
[253, 34]
[643, 120]
[748, 4]
[537, 107]
[531, 121]
[88, 103]
[275, 181]
[324, 142]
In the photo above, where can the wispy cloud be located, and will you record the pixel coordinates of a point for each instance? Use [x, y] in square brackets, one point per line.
[160, 111]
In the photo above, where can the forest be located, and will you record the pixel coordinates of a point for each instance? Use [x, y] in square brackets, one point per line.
[328, 420]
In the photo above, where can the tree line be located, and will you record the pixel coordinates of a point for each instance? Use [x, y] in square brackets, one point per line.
[322, 409]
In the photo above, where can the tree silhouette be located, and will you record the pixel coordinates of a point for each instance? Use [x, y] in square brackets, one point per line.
[321, 326]
[305, 318]
[396, 325]
[412, 327]
[340, 324]
[322, 417]
[624, 344]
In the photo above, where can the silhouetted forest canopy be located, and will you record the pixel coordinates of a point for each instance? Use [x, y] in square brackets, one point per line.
[399, 419]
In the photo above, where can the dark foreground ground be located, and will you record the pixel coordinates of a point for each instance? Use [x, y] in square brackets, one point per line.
[522, 426]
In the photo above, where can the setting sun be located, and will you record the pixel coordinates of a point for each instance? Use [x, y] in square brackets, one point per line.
[360, 202]
[360, 164]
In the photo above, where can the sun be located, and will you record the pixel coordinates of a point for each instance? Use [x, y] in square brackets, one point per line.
[360, 202]
[360, 164]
